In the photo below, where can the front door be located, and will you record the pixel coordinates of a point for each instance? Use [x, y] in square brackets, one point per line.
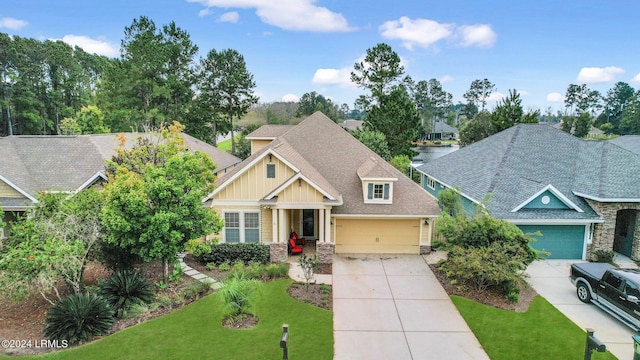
[308, 223]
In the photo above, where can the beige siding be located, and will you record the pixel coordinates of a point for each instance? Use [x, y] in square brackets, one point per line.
[8, 191]
[253, 184]
[425, 237]
[257, 145]
[384, 236]
[266, 222]
[300, 192]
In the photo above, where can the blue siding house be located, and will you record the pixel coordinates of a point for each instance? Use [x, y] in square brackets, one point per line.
[580, 195]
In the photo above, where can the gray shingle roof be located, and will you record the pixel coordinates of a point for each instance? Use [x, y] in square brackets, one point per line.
[332, 157]
[629, 142]
[442, 127]
[65, 163]
[516, 163]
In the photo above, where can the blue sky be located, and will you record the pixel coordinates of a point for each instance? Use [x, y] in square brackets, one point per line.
[297, 46]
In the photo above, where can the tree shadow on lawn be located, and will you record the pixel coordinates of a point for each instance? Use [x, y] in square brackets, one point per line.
[195, 331]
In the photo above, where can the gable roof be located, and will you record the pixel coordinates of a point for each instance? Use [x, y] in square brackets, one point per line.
[629, 142]
[330, 157]
[442, 127]
[268, 132]
[36, 163]
[517, 163]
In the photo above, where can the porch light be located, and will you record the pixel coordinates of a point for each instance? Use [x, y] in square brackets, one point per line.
[299, 182]
[426, 222]
[269, 157]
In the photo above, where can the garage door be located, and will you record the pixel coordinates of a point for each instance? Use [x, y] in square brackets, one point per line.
[378, 236]
[561, 241]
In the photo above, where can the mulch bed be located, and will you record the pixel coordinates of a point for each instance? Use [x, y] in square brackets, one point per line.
[314, 295]
[527, 293]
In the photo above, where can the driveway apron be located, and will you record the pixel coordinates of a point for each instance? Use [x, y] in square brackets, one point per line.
[393, 307]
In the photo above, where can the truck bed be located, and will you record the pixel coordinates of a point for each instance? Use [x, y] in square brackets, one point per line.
[593, 270]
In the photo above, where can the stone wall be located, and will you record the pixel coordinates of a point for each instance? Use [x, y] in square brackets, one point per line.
[278, 252]
[604, 233]
[325, 251]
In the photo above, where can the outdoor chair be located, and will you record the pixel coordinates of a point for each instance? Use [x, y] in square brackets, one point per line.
[294, 248]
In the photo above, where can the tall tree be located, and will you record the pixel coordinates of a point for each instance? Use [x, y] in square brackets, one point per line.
[579, 99]
[615, 102]
[630, 122]
[395, 116]
[379, 71]
[477, 129]
[153, 201]
[478, 92]
[509, 112]
[227, 85]
[312, 102]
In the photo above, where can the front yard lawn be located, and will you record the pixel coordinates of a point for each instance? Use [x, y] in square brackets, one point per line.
[540, 333]
[196, 332]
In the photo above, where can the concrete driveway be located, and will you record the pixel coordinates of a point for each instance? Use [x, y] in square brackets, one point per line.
[550, 278]
[393, 307]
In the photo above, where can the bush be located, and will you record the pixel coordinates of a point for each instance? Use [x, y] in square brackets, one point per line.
[125, 288]
[79, 317]
[277, 270]
[197, 248]
[196, 290]
[116, 258]
[258, 271]
[498, 266]
[232, 253]
[603, 256]
[238, 294]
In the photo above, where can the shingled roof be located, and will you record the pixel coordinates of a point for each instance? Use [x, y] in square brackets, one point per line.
[629, 142]
[517, 163]
[67, 163]
[328, 155]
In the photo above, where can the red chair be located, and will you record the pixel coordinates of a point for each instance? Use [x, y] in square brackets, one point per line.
[298, 241]
[293, 248]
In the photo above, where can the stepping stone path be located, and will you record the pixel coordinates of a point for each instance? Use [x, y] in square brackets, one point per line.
[215, 285]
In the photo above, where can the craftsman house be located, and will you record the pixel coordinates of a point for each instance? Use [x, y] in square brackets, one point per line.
[581, 195]
[319, 181]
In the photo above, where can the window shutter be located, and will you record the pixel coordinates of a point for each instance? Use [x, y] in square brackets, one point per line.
[370, 191]
[386, 191]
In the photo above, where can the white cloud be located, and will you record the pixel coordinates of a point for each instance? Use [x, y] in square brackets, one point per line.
[446, 79]
[204, 12]
[92, 45]
[290, 98]
[636, 79]
[496, 96]
[230, 17]
[594, 75]
[555, 97]
[297, 15]
[333, 77]
[11, 23]
[418, 32]
[523, 92]
[477, 35]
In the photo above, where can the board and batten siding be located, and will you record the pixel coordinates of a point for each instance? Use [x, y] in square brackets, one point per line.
[257, 145]
[7, 191]
[253, 184]
[300, 192]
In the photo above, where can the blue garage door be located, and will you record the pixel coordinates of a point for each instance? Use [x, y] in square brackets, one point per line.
[561, 241]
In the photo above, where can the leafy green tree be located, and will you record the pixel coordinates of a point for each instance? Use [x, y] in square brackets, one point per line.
[432, 101]
[69, 126]
[477, 129]
[478, 92]
[243, 149]
[630, 124]
[379, 71]
[615, 102]
[374, 140]
[582, 125]
[450, 202]
[312, 102]
[509, 112]
[579, 99]
[395, 116]
[227, 85]
[607, 128]
[153, 201]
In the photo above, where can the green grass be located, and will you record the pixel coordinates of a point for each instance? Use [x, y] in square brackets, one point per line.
[541, 333]
[195, 332]
[226, 145]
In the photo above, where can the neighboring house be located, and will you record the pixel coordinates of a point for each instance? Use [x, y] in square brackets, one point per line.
[68, 164]
[352, 125]
[320, 181]
[442, 131]
[629, 142]
[581, 195]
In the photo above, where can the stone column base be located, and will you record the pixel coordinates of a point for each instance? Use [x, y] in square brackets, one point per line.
[325, 251]
[278, 252]
[425, 249]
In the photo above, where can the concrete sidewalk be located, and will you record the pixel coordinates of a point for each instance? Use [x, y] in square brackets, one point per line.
[393, 307]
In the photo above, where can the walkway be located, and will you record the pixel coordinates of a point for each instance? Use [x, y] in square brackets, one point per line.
[188, 270]
[393, 307]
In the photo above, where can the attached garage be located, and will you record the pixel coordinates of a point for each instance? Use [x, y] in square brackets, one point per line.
[379, 236]
[561, 241]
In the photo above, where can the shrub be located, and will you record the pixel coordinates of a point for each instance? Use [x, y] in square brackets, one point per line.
[79, 317]
[308, 265]
[277, 270]
[195, 290]
[232, 253]
[603, 256]
[239, 295]
[125, 288]
[498, 266]
[197, 248]
[225, 266]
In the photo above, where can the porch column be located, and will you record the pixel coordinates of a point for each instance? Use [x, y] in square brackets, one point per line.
[274, 225]
[327, 225]
[321, 231]
[281, 229]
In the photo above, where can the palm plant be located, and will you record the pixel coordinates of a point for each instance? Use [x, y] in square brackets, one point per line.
[79, 317]
[125, 288]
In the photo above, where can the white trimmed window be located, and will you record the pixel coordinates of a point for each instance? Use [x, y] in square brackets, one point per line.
[379, 193]
[241, 227]
[431, 182]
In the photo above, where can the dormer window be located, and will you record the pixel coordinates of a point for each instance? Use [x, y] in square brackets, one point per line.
[378, 192]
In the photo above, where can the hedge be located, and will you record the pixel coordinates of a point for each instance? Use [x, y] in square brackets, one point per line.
[232, 253]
